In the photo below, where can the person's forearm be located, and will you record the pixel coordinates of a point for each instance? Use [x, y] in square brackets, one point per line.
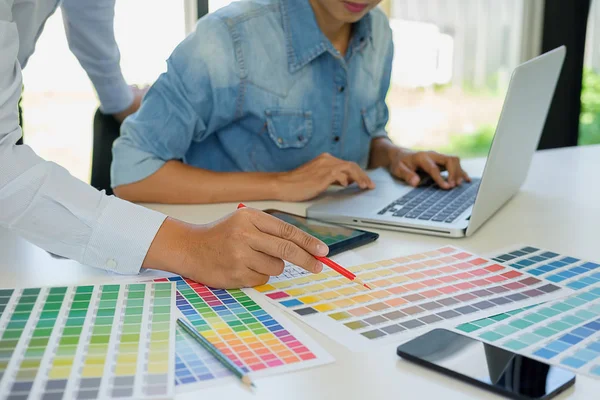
[177, 183]
[381, 153]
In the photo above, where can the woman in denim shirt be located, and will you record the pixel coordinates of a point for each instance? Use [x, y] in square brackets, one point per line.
[270, 99]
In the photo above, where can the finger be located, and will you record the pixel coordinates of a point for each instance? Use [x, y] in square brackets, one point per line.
[454, 171]
[428, 165]
[265, 264]
[356, 174]
[285, 250]
[276, 227]
[340, 177]
[251, 278]
[403, 171]
[364, 177]
[466, 176]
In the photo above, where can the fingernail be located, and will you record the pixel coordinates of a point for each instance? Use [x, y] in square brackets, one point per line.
[451, 182]
[319, 268]
[414, 180]
[322, 250]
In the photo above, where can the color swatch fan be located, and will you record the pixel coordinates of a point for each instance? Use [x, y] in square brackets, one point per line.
[87, 342]
[565, 332]
[410, 294]
[569, 271]
[241, 329]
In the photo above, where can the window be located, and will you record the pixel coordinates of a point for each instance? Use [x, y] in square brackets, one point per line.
[59, 101]
[452, 65]
[589, 121]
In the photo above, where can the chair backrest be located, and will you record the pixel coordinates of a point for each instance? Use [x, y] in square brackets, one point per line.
[106, 131]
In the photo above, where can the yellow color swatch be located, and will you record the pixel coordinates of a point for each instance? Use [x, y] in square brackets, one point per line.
[125, 369]
[264, 288]
[296, 292]
[91, 371]
[329, 295]
[127, 359]
[59, 372]
[324, 307]
[385, 272]
[158, 357]
[370, 266]
[309, 299]
[347, 291]
[343, 303]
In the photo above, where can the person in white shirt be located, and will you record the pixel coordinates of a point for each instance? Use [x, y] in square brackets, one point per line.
[43, 203]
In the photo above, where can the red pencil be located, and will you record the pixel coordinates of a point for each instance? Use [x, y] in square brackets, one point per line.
[334, 266]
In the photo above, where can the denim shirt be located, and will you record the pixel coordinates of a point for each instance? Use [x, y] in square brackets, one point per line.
[258, 87]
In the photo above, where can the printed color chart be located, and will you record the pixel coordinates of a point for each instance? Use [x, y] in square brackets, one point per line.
[410, 294]
[87, 342]
[239, 328]
[570, 271]
[563, 332]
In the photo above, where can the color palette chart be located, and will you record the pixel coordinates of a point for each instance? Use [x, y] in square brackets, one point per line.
[410, 294]
[563, 332]
[571, 271]
[242, 330]
[87, 342]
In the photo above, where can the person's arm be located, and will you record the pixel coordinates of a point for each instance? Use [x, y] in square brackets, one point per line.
[43, 203]
[90, 33]
[183, 106]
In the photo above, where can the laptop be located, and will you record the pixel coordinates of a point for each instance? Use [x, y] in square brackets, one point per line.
[459, 212]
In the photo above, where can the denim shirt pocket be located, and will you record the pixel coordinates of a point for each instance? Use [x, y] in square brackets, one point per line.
[289, 128]
[374, 117]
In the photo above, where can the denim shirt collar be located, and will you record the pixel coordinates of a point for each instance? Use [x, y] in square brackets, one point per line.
[306, 41]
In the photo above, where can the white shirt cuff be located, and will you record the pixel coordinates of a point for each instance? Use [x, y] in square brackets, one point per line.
[122, 237]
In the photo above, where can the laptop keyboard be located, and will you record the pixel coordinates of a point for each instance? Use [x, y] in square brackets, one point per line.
[430, 203]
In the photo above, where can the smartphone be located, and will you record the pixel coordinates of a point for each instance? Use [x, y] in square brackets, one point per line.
[338, 238]
[486, 366]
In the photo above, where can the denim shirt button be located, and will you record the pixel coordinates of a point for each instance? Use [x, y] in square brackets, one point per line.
[341, 89]
[279, 140]
[336, 139]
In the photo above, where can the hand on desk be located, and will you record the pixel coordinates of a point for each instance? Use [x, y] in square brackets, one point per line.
[241, 250]
[405, 164]
[314, 177]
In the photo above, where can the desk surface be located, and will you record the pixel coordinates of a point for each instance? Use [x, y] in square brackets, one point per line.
[557, 208]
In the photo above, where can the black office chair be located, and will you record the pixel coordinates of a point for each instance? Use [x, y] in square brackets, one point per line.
[106, 131]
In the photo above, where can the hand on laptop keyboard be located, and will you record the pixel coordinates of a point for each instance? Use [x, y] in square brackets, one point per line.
[406, 165]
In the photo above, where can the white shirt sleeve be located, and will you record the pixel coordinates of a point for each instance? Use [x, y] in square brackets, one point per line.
[89, 25]
[43, 203]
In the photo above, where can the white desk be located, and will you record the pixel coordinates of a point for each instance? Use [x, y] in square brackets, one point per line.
[557, 209]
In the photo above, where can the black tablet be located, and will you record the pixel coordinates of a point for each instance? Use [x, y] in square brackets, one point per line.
[338, 238]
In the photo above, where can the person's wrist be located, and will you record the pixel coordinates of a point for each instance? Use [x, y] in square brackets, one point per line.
[169, 247]
[277, 185]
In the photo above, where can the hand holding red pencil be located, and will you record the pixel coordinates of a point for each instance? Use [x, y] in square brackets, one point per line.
[332, 264]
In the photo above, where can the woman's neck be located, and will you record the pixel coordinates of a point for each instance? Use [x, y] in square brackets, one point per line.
[337, 32]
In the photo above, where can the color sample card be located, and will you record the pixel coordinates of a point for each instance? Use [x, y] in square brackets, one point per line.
[564, 332]
[410, 294]
[242, 330]
[87, 342]
[573, 272]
